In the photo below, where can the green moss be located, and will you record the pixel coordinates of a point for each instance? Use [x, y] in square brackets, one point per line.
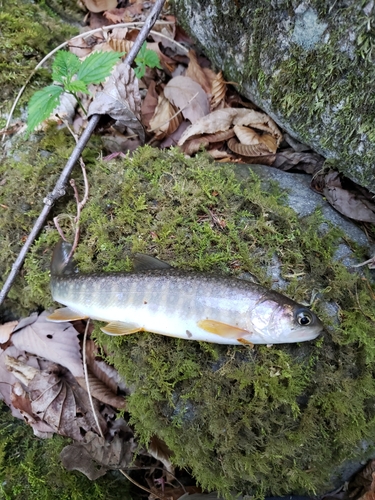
[31, 470]
[268, 420]
[28, 33]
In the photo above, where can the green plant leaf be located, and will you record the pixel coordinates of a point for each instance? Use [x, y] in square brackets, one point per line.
[97, 66]
[140, 70]
[151, 59]
[76, 86]
[41, 105]
[65, 66]
[146, 57]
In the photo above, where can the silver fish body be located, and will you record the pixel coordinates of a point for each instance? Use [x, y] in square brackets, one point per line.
[192, 306]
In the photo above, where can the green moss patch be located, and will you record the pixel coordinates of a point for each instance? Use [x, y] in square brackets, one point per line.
[28, 33]
[269, 420]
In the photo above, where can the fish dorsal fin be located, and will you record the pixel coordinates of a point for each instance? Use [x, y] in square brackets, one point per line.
[143, 262]
[223, 329]
[65, 314]
[120, 328]
[60, 265]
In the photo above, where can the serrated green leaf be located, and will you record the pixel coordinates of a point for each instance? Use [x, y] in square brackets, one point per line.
[76, 86]
[151, 59]
[97, 66]
[140, 70]
[41, 105]
[65, 66]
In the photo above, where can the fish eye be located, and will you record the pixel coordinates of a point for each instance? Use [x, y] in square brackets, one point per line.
[304, 317]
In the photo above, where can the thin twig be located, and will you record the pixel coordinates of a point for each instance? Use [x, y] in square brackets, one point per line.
[140, 486]
[85, 371]
[59, 189]
[80, 204]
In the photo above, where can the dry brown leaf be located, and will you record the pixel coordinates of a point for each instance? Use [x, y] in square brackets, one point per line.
[149, 104]
[188, 96]
[57, 399]
[307, 162]
[57, 342]
[257, 144]
[173, 139]
[6, 331]
[165, 120]
[120, 99]
[8, 379]
[218, 90]
[119, 45]
[100, 5]
[196, 73]
[101, 391]
[115, 15]
[94, 456]
[159, 450]
[223, 119]
[194, 145]
[348, 203]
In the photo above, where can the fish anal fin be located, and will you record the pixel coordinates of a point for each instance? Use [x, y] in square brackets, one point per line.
[223, 329]
[119, 328]
[65, 314]
[246, 342]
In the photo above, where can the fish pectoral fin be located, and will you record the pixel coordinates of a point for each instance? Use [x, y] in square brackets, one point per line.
[119, 328]
[223, 329]
[65, 314]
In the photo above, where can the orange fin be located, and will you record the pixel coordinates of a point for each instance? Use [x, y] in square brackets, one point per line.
[222, 329]
[246, 342]
[119, 328]
[65, 314]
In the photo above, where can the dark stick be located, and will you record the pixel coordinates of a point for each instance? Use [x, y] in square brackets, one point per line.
[59, 189]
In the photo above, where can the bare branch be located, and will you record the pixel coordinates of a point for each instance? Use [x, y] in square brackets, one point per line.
[59, 189]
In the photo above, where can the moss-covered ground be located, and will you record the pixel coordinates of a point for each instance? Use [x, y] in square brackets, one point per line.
[269, 420]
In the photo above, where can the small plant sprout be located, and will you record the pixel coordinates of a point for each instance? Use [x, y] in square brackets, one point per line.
[71, 76]
[145, 58]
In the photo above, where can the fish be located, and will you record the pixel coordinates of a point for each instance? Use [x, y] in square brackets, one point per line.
[190, 305]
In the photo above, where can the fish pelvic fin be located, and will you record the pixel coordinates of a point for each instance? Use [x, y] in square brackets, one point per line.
[65, 314]
[119, 328]
[223, 329]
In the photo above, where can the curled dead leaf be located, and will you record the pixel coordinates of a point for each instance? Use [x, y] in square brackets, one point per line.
[218, 90]
[223, 119]
[100, 5]
[188, 96]
[166, 119]
[196, 72]
[101, 391]
[256, 144]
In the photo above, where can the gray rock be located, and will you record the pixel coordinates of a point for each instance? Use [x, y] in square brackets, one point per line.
[309, 65]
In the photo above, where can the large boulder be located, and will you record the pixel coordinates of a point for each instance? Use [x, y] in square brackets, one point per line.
[309, 65]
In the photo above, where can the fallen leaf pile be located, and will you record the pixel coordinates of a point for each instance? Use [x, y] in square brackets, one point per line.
[185, 102]
[42, 381]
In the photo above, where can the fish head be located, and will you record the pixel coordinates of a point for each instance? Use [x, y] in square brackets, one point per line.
[285, 321]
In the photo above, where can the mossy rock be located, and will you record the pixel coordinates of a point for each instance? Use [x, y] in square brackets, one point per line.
[268, 420]
[309, 65]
